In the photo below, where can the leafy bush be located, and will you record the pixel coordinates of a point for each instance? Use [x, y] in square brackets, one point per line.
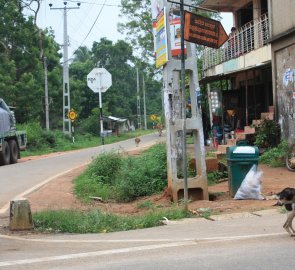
[274, 157]
[34, 132]
[143, 175]
[90, 124]
[105, 168]
[268, 134]
[112, 176]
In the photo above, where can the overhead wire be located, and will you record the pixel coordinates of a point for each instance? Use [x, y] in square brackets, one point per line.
[90, 28]
[98, 4]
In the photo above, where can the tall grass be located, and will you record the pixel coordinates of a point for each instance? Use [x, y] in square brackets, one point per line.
[115, 177]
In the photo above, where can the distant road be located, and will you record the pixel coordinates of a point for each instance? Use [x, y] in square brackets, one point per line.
[22, 177]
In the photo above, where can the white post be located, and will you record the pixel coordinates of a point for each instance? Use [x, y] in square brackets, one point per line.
[66, 83]
[100, 111]
[144, 104]
[46, 95]
[138, 101]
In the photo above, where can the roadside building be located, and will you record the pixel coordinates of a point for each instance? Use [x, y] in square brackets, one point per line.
[238, 76]
[115, 125]
[282, 26]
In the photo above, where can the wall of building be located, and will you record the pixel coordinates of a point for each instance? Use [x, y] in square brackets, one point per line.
[282, 13]
[284, 86]
[283, 63]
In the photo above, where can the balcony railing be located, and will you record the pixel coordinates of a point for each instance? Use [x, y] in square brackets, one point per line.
[252, 35]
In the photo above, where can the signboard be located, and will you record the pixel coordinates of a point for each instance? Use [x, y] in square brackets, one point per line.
[173, 24]
[204, 31]
[99, 80]
[161, 40]
[72, 115]
[175, 32]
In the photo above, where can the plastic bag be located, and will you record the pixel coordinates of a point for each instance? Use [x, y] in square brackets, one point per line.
[251, 185]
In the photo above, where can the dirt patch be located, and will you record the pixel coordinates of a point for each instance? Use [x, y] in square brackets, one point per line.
[58, 194]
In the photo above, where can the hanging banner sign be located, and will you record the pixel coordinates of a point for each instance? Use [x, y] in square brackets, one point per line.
[173, 24]
[204, 31]
[175, 34]
[161, 40]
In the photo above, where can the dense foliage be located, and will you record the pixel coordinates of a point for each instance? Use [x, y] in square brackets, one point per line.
[23, 48]
[268, 134]
[275, 157]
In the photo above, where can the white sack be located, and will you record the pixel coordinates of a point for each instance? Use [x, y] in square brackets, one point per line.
[251, 185]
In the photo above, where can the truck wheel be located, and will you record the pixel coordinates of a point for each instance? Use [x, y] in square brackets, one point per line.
[13, 151]
[5, 154]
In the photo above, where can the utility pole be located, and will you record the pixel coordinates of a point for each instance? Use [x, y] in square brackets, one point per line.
[67, 128]
[144, 103]
[46, 95]
[184, 146]
[180, 184]
[138, 102]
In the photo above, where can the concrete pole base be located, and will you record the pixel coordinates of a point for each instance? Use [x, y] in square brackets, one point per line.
[20, 215]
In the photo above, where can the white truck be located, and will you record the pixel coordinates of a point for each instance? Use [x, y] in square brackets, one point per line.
[11, 140]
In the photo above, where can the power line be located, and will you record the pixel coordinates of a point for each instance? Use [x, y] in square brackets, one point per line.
[97, 4]
[90, 28]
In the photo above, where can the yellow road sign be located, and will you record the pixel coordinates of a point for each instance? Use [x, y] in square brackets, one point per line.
[72, 115]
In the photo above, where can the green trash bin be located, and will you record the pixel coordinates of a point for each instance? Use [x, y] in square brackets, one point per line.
[240, 159]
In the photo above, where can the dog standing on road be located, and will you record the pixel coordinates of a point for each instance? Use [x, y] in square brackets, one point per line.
[137, 141]
[287, 198]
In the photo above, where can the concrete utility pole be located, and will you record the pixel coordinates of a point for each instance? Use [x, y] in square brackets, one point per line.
[67, 128]
[177, 123]
[138, 101]
[46, 95]
[144, 103]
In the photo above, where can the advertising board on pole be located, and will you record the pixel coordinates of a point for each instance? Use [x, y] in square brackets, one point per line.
[175, 32]
[161, 40]
[174, 27]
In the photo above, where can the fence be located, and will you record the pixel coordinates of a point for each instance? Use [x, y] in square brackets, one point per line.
[252, 35]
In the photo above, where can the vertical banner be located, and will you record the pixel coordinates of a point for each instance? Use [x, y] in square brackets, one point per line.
[175, 32]
[157, 6]
[174, 27]
[161, 40]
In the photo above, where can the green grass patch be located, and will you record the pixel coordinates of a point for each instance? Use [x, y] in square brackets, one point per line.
[112, 176]
[213, 177]
[70, 221]
[274, 157]
[146, 205]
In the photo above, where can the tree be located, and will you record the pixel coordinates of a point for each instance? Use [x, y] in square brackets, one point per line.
[22, 71]
[121, 99]
[139, 26]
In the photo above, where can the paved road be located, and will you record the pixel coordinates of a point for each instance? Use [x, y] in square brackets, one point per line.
[19, 179]
[244, 241]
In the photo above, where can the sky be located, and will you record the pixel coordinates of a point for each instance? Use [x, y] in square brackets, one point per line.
[80, 21]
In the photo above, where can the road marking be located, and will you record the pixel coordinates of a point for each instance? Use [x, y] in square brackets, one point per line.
[94, 254]
[132, 249]
[30, 190]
